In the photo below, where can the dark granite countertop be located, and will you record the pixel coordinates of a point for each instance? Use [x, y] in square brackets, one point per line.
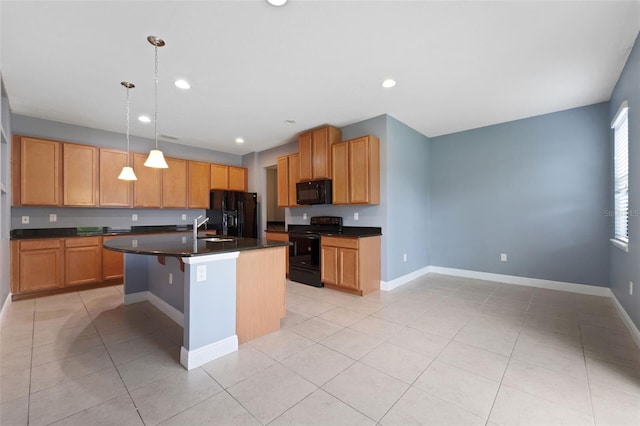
[347, 231]
[91, 231]
[182, 245]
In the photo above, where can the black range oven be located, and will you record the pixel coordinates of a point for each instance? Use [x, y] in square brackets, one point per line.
[304, 252]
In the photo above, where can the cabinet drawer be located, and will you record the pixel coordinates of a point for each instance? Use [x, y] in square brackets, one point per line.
[40, 244]
[340, 242]
[82, 242]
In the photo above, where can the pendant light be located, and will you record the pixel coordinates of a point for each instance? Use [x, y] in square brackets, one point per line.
[155, 158]
[127, 171]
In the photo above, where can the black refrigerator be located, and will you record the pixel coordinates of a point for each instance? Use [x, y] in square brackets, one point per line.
[233, 213]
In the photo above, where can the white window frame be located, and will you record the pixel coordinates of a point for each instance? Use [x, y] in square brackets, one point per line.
[620, 126]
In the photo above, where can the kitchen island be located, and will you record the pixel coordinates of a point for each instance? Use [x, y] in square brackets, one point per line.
[224, 291]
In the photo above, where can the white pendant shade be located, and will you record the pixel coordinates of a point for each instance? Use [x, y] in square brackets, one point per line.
[156, 160]
[127, 174]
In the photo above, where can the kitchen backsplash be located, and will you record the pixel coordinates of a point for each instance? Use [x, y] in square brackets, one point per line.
[39, 217]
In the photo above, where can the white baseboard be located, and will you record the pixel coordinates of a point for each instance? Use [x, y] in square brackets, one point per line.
[635, 333]
[390, 285]
[5, 309]
[532, 282]
[164, 307]
[197, 357]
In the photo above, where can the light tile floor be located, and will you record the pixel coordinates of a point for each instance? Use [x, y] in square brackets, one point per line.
[439, 350]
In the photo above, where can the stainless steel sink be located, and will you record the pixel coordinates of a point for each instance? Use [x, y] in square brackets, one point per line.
[216, 239]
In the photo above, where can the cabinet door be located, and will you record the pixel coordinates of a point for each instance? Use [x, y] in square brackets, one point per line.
[82, 261]
[40, 172]
[80, 175]
[359, 170]
[294, 169]
[348, 268]
[283, 181]
[340, 172]
[237, 179]
[305, 150]
[329, 265]
[40, 265]
[113, 262]
[147, 189]
[321, 158]
[279, 236]
[174, 184]
[199, 181]
[113, 191]
[219, 176]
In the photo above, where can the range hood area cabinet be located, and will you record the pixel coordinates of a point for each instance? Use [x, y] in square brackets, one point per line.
[288, 176]
[314, 148]
[356, 171]
[56, 173]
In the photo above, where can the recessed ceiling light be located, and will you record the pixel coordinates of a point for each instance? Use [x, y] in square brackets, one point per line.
[289, 121]
[276, 2]
[182, 84]
[388, 83]
[144, 119]
[239, 140]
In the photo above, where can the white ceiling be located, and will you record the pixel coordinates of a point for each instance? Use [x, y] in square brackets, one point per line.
[459, 65]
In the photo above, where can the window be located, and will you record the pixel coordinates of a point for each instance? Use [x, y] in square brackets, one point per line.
[621, 176]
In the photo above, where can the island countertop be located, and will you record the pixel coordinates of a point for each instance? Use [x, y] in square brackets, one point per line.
[182, 244]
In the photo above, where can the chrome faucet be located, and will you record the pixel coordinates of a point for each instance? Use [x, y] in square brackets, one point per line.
[197, 225]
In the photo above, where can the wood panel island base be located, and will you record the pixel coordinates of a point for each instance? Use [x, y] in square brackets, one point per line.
[223, 293]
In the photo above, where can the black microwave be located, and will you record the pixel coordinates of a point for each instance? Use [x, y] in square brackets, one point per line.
[314, 192]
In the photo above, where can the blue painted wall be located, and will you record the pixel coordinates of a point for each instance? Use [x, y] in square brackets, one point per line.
[625, 267]
[407, 201]
[536, 189]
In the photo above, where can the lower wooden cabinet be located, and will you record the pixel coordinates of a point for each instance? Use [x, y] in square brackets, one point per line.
[112, 263]
[82, 260]
[351, 264]
[50, 265]
[37, 265]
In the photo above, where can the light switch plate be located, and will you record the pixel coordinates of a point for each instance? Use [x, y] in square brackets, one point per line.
[304, 216]
[356, 216]
[53, 217]
[184, 217]
[134, 217]
[503, 257]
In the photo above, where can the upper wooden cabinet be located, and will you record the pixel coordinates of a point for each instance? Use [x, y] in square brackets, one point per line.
[238, 179]
[229, 178]
[356, 171]
[199, 181]
[147, 190]
[37, 172]
[80, 175]
[283, 181]
[113, 191]
[174, 184]
[288, 176]
[314, 148]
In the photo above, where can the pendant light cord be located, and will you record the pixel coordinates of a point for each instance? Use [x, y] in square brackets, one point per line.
[128, 121]
[155, 118]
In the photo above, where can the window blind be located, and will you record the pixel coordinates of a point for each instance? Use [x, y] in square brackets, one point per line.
[620, 126]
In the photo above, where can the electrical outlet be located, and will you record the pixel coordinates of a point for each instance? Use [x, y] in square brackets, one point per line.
[53, 218]
[356, 216]
[201, 273]
[25, 219]
[134, 217]
[170, 277]
[304, 216]
[134, 243]
[630, 288]
[503, 257]
[404, 257]
[184, 240]
[184, 217]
